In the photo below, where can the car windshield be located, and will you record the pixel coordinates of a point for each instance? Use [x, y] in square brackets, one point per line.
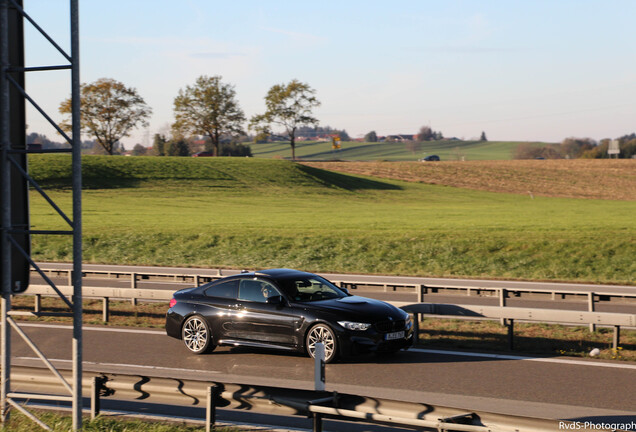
[309, 289]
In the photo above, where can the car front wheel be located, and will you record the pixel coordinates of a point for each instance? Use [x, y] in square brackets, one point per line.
[196, 335]
[322, 333]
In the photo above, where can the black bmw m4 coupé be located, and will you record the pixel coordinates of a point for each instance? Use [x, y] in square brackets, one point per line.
[288, 310]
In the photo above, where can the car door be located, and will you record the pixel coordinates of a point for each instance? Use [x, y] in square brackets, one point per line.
[259, 321]
[218, 306]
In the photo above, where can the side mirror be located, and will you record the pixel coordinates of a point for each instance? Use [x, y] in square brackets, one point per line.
[275, 300]
[346, 291]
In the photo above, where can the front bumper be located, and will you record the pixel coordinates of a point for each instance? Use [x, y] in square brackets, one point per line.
[355, 343]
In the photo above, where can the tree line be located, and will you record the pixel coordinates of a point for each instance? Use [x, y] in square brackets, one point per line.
[209, 108]
[110, 111]
[575, 148]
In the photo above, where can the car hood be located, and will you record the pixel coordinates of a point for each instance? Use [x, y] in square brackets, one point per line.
[359, 308]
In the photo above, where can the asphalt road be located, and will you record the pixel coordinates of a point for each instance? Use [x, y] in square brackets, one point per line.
[548, 387]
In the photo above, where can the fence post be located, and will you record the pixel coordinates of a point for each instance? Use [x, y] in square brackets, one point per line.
[133, 285]
[420, 293]
[197, 280]
[317, 422]
[416, 328]
[96, 385]
[319, 367]
[38, 303]
[210, 410]
[106, 310]
[502, 302]
[590, 307]
[511, 334]
[617, 337]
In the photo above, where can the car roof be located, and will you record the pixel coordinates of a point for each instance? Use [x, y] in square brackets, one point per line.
[276, 274]
[282, 273]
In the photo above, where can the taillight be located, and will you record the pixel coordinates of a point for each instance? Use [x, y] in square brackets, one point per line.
[173, 302]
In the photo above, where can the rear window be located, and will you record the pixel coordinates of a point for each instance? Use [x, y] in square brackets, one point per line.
[223, 289]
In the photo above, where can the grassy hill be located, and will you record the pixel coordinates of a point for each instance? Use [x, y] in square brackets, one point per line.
[256, 213]
[390, 151]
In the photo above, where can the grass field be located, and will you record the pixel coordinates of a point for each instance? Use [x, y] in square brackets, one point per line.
[390, 151]
[255, 213]
[63, 423]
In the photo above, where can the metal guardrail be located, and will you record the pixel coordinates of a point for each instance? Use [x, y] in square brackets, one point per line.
[506, 313]
[283, 401]
[510, 314]
[352, 281]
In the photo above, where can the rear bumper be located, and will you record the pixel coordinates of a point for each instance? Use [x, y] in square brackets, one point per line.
[174, 321]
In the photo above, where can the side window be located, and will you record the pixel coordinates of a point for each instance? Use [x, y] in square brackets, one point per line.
[227, 289]
[256, 290]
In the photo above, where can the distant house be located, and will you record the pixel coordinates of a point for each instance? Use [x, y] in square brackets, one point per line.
[400, 138]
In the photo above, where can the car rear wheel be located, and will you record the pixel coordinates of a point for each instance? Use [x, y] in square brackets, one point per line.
[196, 335]
[322, 333]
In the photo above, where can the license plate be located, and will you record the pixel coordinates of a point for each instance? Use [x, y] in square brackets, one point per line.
[394, 335]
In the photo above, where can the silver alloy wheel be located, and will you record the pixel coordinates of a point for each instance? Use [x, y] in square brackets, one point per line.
[322, 333]
[195, 335]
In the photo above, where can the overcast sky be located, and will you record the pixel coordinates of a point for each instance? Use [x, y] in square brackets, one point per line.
[533, 70]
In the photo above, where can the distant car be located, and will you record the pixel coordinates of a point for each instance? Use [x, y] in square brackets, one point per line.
[288, 310]
[431, 158]
[203, 154]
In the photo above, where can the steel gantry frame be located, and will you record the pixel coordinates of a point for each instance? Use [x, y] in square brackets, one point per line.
[12, 15]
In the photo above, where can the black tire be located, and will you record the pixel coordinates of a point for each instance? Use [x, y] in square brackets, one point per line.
[196, 335]
[322, 333]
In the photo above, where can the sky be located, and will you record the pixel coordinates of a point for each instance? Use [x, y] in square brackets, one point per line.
[517, 70]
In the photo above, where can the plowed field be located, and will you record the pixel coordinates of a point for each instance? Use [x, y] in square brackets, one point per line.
[581, 178]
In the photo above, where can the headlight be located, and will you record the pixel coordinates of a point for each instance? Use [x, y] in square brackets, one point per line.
[408, 322]
[354, 325]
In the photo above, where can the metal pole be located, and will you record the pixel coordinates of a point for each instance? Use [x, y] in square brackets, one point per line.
[95, 402]
[210, 411]
[590, 307]
[5, 205]
[133, 285]
[319, 367]
[77, 217]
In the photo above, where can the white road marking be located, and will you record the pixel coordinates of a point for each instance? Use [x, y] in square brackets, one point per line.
[102, 329]
[126, 365]
[524, 358]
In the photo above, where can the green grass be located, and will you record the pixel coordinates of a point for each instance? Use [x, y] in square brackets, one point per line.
[390, 151]
[255, 213]
[64, 423]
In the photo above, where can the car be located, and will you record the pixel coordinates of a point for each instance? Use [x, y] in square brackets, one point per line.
[288, 310]
[431, 158]
[203, 154]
